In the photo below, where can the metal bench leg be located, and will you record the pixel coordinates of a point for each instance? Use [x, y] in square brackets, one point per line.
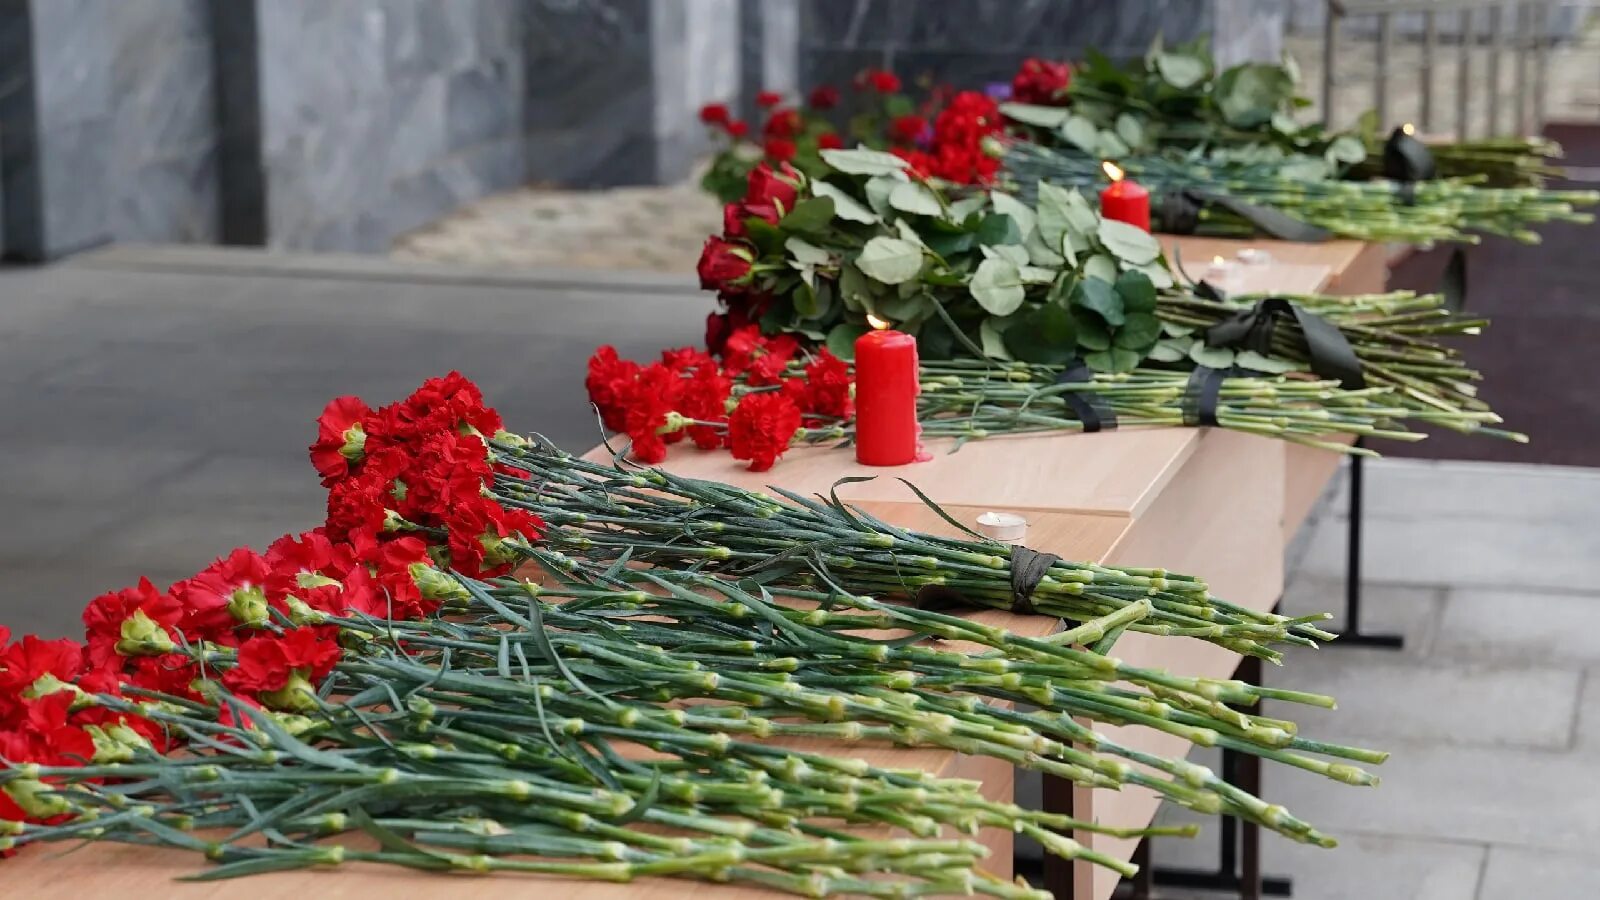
[1352, 635]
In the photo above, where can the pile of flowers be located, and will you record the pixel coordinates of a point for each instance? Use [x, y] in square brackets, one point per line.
[757, 400]
[406, 497]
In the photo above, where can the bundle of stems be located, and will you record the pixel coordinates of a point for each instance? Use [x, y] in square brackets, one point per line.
[798, 543]
[1395, 337]
[1509, 161]
[504, 731]
[1451, 209]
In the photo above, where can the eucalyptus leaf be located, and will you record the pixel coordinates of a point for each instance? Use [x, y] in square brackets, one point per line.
[1017, 254]
[1016, 210]
[862, 161]
[993, 339]
[1180, 70]
[1130, 243]
[1173, 329]
[1036, 274]
[805, 253]
[1092, 332]
[997, 286]
[1170, 350]
[1115, 359]
[1214, 357]
[1254, 361]
[915, 197]
[1039, 254]
[1102, 267]
[1045, 335]
[1137, 292]
[998, 228]
[1139, 331]
[1055, 213]
[1081, 214]
[1100, 298]
[1157, 273]
[1082, 133]
[1034, 114]
[890, 260]
[844, 206]
[966, 206]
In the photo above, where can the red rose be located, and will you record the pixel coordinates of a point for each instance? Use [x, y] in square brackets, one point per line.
[761, 428]
[829, 140]
[920, 164]
[1041, 81]
[823, 96]
[773, 186]
[768, 99]
[907, 129]
[724, 264]
[737, 128]
[714, 114]
[779, 150]
[784, 123]
[735, 214]
[883, 82]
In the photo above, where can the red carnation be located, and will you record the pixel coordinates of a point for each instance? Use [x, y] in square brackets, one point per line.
[283, 670]
[1040, 81]
[646, 413]
[768, 99]
[714, 114]
[340, 437]
[229, 592]
[679, 359]
[829, 140]
[828, 386]
[32, 658]
[477, 530]
[610, 383]
[704, 397]
[760, 359]
[882, 81]
[761, 428]
[105, 615]
[724, 264]
[823, 96]
[362, 502]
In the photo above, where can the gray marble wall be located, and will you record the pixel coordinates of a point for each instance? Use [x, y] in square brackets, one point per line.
[377, 116]
[106, 124]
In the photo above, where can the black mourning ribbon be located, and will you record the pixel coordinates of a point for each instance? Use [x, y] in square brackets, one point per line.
[1178, 212]
[1201, 395]
[1251, 329]
[1028, 568]
[1089, 407]
[1407, 161]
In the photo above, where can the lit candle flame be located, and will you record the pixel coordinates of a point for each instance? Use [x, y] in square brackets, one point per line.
[1113, 171]
[877, 323]
[1217, 261]
[1408, 128]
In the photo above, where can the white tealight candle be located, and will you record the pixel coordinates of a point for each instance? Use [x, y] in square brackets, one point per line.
[1254, 256]
[1220, 272]
[1003, 526]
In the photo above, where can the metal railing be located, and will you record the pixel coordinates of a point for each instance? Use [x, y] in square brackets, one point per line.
[1521, 29]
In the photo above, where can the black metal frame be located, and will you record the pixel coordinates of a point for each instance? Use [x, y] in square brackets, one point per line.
[1352, 635]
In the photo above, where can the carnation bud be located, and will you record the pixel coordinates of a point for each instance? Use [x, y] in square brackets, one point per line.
[310, 580]
[110, 747]
[301, 614]
[141, 636]
[298, 694]
[674, 423]
[355, 443]
[436, 585]
[34, 797]
[511, 440]
[248, 606]
[295, 725]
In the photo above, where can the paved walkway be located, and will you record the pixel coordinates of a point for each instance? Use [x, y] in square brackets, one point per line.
[160, 401]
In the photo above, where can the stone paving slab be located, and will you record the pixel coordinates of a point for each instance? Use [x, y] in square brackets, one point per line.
[1511, 626]
[1409, 488]
[1513, 872]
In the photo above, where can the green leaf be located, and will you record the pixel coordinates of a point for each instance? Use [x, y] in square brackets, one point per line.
[1101, 266]
[966, 206]
[1173, 329]
[1254, 361]
[1092, 331]
[844, 206]
[808, 216]
[1035, 274]
[824, 298]
[878, 190]
[862, 161]
[1131, 130]
[1138, 332]
[908, 233]
[1016, 210]
[1215, 357]
[1101, 298]
[1247, 95]
[1346, 149]
[1081, 214]
[993, 339]
[1130, 243]
[1170, 350]
[1033, 114]
[1180, 70]
[1016, 255]
[842, 339]
[890, 260]
[1043, 335]
[1055, 213]
[1157, 273]
[915, 197]
[904, 306]
[1112, 146]
[997, 286]
[1038, 253]
[1114, 360]
[1082, 133]
[999, 228]
[1136, 291]
[947, 244]
[803, 252]
[854, 289]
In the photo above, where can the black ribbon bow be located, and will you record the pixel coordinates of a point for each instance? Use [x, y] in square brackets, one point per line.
[1091, 410]
[1251, 329]
[1178, 212]
[1028, 568]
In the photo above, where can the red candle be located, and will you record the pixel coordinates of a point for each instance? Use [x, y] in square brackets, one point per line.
[886, 397]
[1125, 200]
